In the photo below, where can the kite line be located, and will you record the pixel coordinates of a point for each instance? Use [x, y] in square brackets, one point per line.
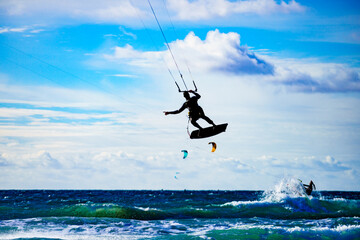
[168, 46]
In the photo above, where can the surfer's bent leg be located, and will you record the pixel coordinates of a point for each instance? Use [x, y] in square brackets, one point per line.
[194, 123]
[206, 118]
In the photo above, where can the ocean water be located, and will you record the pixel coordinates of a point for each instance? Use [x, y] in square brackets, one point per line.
[282, 213]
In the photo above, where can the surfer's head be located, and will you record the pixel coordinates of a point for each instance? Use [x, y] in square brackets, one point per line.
[186, 95]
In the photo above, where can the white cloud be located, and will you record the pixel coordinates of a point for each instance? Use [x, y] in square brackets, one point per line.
[132, 13]
[217, 52]
[207, 9]
[309, 75]
[100, 98]
[112, 11]
[126, 33]
[121, 35]
[3, 161]
[310, 164]
[40, 159]
[123, 75]
[44, 159]
[223, 53]
[43, 11]
[331, 164]
[16, 30]
[128, 55]
[37, 30]
[13, 113]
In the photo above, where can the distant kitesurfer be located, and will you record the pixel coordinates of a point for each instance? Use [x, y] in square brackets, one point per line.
[195, 111]
[309, 188]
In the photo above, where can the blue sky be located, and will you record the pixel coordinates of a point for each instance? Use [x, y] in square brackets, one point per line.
[84, 85]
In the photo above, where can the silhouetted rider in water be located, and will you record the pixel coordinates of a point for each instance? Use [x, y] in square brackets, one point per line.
[195, 111]
[309, 188]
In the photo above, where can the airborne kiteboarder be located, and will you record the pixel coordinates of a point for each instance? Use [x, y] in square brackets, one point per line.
[195, 111]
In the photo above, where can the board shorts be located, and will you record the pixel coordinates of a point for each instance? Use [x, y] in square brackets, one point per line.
[196, 114]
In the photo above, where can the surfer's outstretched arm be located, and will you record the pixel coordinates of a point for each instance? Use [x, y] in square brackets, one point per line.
[177, 111]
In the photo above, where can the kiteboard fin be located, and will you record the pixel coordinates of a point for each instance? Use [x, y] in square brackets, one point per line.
[208, 132]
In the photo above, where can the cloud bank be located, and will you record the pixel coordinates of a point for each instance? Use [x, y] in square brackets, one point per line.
[207, 9]
[223, 53]
[218, 52]
[328, 164]
[121, 169]
[90, 11]
[121, 11]
[313, 76]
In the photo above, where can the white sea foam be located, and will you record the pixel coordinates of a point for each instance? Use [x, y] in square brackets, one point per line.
[239, 203]
[286, 188]
[41, 228]
[338, 229]
[134, 229]
[54, 235]
[148, 209]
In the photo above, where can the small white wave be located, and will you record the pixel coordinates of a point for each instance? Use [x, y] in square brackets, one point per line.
[147, 209]
[340, 228]
[239, 203]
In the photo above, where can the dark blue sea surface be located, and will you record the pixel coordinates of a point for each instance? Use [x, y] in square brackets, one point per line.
[97, 214]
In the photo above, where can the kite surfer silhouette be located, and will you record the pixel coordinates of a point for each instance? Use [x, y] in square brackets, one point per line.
[195, 111]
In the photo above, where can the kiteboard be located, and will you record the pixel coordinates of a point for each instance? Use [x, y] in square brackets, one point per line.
[208, 132]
